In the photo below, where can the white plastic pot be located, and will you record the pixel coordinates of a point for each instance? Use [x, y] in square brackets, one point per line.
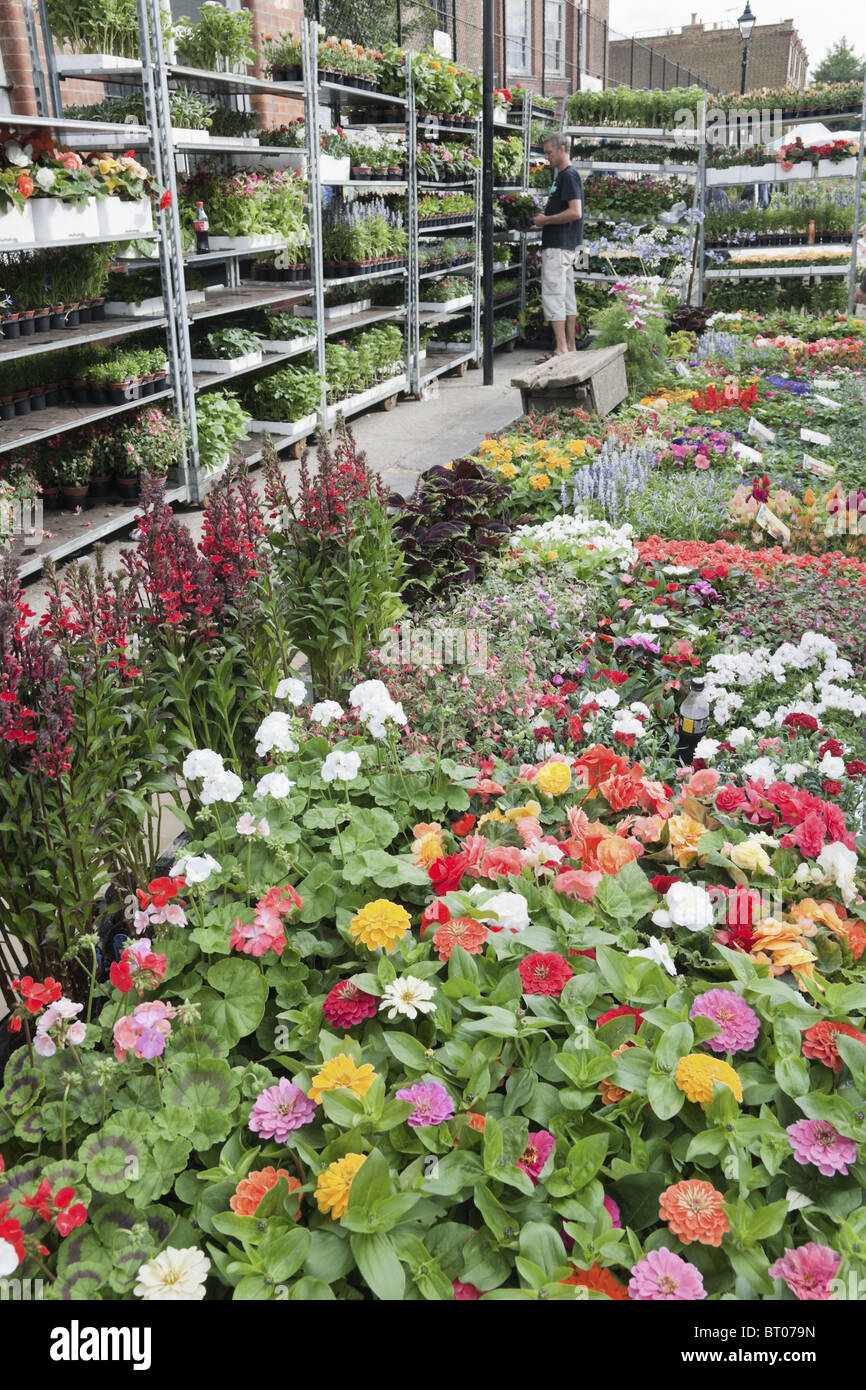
[445, 306]
[261, 242]
[120, 308]
[16, 226]
[332, 170]
[280, 345]
[297, 427]
[226, 366]
[184, 135]
[54, 219]
[846, 169]
[94, 62]
[120, 218]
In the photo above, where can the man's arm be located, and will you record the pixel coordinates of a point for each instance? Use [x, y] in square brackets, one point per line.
[572, 213]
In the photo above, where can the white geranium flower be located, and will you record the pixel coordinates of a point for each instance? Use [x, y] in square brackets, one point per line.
[292, 690]
[275, 734]
[201, 762]
[274, 784]
[340, 766]
[195, 868]
[659, 951]
[8, 1259]
[173, 1276]
[247, 825]
[839, 863]
[761, 720]
[224, 786]
[688, 905]
[325, 712]
[707, 748]
[409, 997]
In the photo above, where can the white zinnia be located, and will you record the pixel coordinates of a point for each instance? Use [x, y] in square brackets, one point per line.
[173, 1275]
[340, 766]
[273, 784]
[202, 762]
[409, 997]
[292, 690]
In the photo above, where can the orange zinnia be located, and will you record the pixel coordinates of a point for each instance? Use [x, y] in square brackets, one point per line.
[611, 1094]
[693, 1211]
[600, 1281]
[460, 931]
[251, 1189]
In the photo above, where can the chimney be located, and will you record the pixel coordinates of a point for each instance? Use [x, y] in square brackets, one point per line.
[694, 18]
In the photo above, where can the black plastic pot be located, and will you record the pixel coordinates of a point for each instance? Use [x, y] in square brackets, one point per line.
[27, 326]
[53, 395]
[97, 311]
[37, 400]
[122, 394]
[58, 320]
[11, 328]
[85, 313]
[22, 405]
[147, 388]
[7, 410]
[73, 497]
[72, 318]
[100, 488]
[81, 393]
[99, 395]
[42, 322]
[50, 499]
[127, 489]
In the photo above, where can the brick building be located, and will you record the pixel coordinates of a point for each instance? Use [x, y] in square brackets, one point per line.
[545, 44]
[777, 57]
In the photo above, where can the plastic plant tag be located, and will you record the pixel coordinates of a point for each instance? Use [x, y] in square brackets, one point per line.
[759, 431]
[815, 437]
[742, 451]
[818, 467]
[772, 524]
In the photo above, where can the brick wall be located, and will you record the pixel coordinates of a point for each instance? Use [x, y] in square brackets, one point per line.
[777, 57]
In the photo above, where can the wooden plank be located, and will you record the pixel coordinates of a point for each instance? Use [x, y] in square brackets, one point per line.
[571, 369]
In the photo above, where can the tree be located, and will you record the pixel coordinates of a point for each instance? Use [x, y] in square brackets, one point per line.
[840, 64]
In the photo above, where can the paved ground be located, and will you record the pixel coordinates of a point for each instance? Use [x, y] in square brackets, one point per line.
[402, 442]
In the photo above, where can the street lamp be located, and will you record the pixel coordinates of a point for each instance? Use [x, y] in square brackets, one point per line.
[746, 23]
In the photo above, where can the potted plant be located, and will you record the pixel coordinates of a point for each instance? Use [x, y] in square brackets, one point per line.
[226, 351]
[75, 472]
[221, 422]
[221, 41]
[48, 475]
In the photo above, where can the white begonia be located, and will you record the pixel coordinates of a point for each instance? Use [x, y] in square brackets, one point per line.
[275, 785]
[688, 905]
[291, 689]
[195, 868]
[803, 873]
[201, 762]
[274, 734]
[659, 951]
[759, 769]
[14, 154]
[325, 712]
[340, 766]
[506, 910]
[46, 178]
[706, 749]
[176, 1276]
[839, 863]
[738, 738]
[832, 767]
[224, 786]
[409, 997]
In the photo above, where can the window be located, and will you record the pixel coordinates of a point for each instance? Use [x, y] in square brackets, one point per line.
[517, 27]
[554, 37]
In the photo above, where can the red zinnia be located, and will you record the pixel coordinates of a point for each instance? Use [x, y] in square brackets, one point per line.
[347, 1005]
[460, 931]
[819, 1042]
[544, 974]
[621, 1012]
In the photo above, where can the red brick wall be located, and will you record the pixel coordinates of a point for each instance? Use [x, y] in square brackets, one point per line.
[717, 55]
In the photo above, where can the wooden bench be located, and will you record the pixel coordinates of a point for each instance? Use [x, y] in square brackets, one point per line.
[593, 380]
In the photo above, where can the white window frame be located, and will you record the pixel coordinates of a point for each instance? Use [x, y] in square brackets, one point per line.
[518, 52]
[554, 44]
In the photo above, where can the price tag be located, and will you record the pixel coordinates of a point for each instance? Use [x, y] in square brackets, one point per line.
[759, 431]
[742, 451]
[681, 368]
[815, 437]
[818, 467]
[827, 383]
[772, 524]
[825, 400]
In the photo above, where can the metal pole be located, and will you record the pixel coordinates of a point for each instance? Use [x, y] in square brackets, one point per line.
[743, 70]
[858, 194]
[631, 64]
[504, 44]
[46, 92]
[487, 186]
[579, 23]
[399, 23]
[652, 55]
[543, 45]
[454, 28]
[604, 57]
[702, 176]
[413, 328]
[309, 42]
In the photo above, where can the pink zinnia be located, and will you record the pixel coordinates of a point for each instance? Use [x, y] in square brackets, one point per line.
[279, 1109]
[539, 1146]
[819, 1142]
[663, 1276]
[740, 1025]
[465, 1293]
[808, 1271]
[431, 1101]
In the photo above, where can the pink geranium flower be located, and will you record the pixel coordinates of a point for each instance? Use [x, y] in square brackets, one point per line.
[144, 1031]
[808, 1271]
[662, 1276]
[819, 1142]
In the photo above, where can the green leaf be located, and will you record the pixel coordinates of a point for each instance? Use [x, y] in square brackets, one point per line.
[370, 1185]
[407, 1050]
[491, 1150]
[379, 1266]
[283, 1254]
[585, 1158]
[542, 1245]
[664, 1095]
[766, 1221]
[245, 992]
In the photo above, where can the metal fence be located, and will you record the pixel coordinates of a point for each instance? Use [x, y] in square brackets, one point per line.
[555, 47]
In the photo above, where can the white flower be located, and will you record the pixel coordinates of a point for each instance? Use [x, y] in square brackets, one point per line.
[196, 868]
[606, 699]
[657, 620]
[759, 769]
[839, 863]
[659, 952]
[640, 709]
[540, 853]
[761, 720]
[688, 905]
[273, 784]
[224, 786]
[546, 750]
[624, 724]
[175, 1275]
[707, 748]
[409, 997]
[15, 155]
[792, 772]
[374, 705]
[326, 711]
[46, 179]
[202, 762]
[740, 737]
[292, 690]
[340, 766]
[507, 910]
[8, 1258]
[247, 825]
[275, 732]
[831, 767]
[802, 873]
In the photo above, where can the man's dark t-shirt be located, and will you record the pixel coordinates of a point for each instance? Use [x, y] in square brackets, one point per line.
[567, 185]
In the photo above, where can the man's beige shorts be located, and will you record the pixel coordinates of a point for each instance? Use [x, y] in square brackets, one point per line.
[557, 284]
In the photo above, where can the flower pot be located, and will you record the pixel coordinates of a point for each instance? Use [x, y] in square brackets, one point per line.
[37, 399]
[16, 225]
[27, 322]
[58, 318]
[159, 381]
[333, 169]
[84, 313]
[121, 392]
[22, 402]
[50, 498]
[53, 395]
[73, 497]
[99, 394]
[147, 385]
[7, 409]
[42, 320]
[127, 489]
[11, 326]
[100, 487]
[844, 169]
[72, 316]
[55, 219]
[81, 393]
[97, 310]
[120, 217]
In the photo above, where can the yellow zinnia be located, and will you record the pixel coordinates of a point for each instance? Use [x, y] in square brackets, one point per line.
[381, 923]
[332, 1193]
[554, 778]
[508, 471]
[577, 447]
[341, 1074]
[696, 1074]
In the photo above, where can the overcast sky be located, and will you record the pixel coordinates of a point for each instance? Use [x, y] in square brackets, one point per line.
[819, 26]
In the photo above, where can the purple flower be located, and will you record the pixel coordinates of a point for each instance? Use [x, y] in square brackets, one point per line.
[151, 1043]
[740, 1026]
[431, 1101]
[819, 1142]
[279, 1109]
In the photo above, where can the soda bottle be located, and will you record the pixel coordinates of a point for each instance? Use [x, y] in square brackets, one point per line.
[202, 230]
[694, 720]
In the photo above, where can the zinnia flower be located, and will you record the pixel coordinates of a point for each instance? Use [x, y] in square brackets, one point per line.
[409, 997]
[600, 1281]
[663, 1276]
[173, 1276]
[544, 974]
[696, 1074]
[341, 1073]
[380, 924]
[465, 1293]
[432, 1103]
[740, 1025]
[694, 1211]
[460, 931]
[279, 1109]
[808, 1271]
[332, 1193]
[819, 1042]
[347, 1005]
[540, 1145]
[819, 1142]
[256, 1185]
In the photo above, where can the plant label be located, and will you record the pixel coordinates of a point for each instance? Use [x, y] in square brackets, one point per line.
[759, 431]
[772, 524]
[818, 467]
[825, 400]
[827, 383]
[742, 451]
[815, 437]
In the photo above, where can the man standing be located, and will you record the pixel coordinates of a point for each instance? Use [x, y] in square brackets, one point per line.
[561, 226]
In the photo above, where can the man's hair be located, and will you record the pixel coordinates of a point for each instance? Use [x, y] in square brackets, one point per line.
[557, 139]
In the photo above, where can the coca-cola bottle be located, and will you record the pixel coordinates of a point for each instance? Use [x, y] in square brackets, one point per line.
[694, 720]
[202, 230]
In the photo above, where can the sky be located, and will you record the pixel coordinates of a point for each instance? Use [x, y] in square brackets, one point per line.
[818, 26]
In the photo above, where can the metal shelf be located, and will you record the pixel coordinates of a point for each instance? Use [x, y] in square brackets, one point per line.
[438, 362]
[785, 272]
[89, 532]
[447, 270]
[614, 166]
[363, 275]
[362, 320]
[372, 396]
[245, 297]
[204, 380]
[81, 241]
[60, 338]
[58, 419]
[13, 120]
